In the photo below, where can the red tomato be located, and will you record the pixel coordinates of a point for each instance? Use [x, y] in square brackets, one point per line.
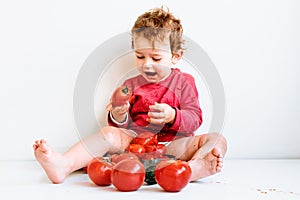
[135, 148]
[172, 175]
[119, 157]
[120, 96]
[128, 175]
[145, 138]
[99, 171]
[157, 149]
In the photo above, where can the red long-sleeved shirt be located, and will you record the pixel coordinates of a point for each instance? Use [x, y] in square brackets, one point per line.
[179, 91]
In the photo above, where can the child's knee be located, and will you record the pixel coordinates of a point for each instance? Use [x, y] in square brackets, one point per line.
[219, 137]
[213, 136]
[222, 142]
[117, 139]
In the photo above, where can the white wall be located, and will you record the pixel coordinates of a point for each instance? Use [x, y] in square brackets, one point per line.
[255, 46]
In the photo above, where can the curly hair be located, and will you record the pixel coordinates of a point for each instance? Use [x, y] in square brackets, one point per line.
[156, 25]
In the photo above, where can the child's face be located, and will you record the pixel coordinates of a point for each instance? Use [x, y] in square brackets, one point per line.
[154, 64]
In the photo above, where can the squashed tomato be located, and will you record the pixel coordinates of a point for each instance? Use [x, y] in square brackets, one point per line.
[136, 148]
[172, 175]
[99, 171]
[155, 149]
[145, 138]
[128, 175]
[121, 96]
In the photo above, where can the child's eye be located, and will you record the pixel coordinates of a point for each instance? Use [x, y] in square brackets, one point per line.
[140, 57]
[156, 59]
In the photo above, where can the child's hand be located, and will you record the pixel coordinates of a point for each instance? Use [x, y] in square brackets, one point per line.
[161, 113]
[118, 112]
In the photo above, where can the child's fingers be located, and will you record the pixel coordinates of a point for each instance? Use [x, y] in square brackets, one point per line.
[109, 107]
[156, 120]
[156, 107]
[124, 108]
[120, 110]
[157, 115]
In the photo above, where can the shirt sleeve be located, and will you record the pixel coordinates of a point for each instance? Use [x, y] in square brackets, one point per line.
[189, 114]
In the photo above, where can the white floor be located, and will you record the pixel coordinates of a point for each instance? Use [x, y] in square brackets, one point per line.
[240, 179]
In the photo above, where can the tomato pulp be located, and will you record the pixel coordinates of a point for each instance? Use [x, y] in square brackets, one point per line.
[136, 148]
[145, 138]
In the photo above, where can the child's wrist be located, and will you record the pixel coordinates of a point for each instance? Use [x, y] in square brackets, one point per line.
[121, 120]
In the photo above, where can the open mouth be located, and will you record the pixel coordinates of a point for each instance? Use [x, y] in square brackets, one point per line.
[150, 73]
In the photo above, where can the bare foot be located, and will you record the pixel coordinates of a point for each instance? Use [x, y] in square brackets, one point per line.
[53, 162]
[211, 164]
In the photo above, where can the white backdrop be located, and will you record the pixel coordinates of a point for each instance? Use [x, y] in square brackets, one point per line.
[254, 44]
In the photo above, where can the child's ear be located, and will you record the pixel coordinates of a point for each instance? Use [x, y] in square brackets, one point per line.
[176, 57]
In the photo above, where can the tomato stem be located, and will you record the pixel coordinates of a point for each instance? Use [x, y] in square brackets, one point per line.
[125, 90]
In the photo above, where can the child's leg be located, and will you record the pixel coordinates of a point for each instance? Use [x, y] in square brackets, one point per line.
[203, 152]
[57, 166]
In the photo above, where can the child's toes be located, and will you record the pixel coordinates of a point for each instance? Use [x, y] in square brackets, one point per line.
[220, 164]
[37, 142]
[44, 146]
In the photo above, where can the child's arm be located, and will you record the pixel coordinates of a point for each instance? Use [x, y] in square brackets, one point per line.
[118, 116]
[189, 114]
[185, 118]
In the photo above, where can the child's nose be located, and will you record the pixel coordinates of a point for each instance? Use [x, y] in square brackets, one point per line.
[148, 63]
